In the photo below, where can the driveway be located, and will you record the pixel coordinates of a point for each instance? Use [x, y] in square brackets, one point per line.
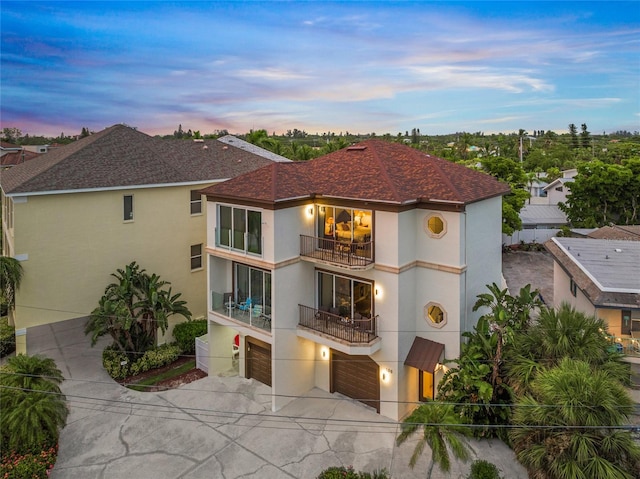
[219, 427]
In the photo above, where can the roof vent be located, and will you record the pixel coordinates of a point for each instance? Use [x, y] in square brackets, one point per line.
[618, 250]
[356, 148]
[606, 257]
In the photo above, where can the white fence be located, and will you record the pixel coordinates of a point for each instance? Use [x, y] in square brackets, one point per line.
[530, 236]
[202, 353]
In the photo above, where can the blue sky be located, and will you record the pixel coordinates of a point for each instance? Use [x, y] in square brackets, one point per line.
[362, 67]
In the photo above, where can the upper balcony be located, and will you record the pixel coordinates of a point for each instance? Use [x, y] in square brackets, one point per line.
[349, 335]
[357, 255]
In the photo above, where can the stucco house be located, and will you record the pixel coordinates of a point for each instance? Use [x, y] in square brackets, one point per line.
[600, 277]
[76, 214]
[355, 272]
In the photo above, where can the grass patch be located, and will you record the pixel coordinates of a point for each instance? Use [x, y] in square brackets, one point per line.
[143, 385]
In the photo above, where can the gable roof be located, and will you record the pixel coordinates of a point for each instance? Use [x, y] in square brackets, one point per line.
[16, 157]
[122, 157]
[606, 271]
[620, 232]
[373, 170]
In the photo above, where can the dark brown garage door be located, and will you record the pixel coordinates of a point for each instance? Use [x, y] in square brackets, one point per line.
[258, 357]
[356, 377]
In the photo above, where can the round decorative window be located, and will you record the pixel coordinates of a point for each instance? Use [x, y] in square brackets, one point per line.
[435, 225]
[435, 315]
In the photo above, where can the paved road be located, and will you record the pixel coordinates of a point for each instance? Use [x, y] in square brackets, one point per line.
[219, 427]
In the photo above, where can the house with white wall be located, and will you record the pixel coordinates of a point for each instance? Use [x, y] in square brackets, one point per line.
[355, 272]
[76, 214]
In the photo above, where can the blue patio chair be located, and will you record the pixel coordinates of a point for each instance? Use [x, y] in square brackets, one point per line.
[245, 306]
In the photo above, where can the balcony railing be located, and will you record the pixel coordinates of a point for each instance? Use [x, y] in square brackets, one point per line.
[358, 254]
[352, 330]
[258, 316]
[625, 345]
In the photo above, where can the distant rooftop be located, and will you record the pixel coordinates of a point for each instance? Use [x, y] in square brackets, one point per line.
[542, 215]
[613, 265]
[250, 147]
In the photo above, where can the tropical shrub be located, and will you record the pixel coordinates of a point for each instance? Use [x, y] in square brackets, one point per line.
[342, 472]
[7, 337]
[118, 365]
[29, 465]
[482, 469]
[33, 407]
[187, 332]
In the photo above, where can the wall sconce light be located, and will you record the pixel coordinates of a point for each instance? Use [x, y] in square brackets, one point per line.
[310, 210]
[324, 352]
[386, 374]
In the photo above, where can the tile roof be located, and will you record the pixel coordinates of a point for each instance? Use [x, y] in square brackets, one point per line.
[373, 170]
[16, 157]
[605, 270]
[620, 232]
[121, 156]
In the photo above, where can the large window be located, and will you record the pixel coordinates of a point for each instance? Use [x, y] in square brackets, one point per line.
[344, 224]
[344, 296]
[240, 229]
[253, 283]
[128, 208]
[196, 202]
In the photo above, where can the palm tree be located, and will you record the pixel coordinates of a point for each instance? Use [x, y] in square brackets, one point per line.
[11, 273]
[559, 334]
[441, 431]
[568, 427]
[33, 407]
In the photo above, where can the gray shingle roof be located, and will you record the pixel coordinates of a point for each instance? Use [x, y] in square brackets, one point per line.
[245, 145]
[120, 156]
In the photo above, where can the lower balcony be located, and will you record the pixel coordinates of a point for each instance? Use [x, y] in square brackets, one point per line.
[255, 315]
[350, 335]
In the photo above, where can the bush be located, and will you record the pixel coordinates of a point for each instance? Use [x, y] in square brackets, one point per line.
[7, 337]
[156, 358]
[348, 473]
[29, 465]
[481, 469]
[187, 332]
[118, 365]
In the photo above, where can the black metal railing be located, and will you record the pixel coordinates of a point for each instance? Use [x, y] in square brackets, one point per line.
[352, 253]
[352, 330]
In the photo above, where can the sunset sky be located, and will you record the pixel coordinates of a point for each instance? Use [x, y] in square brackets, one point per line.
[358, 66]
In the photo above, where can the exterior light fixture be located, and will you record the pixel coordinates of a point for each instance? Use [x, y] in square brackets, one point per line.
[324, 352]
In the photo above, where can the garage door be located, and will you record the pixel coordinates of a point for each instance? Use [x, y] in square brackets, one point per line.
[258, 359]
[356, 377]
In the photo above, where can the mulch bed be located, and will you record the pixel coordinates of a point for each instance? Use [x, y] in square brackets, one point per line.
[172, 383]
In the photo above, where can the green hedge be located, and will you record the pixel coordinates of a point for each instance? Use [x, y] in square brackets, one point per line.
[119, 367]
[7, 337]
[481, 469]
[349, 473]
[187, 332]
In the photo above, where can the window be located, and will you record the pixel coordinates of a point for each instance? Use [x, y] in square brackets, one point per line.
[196, 202]
[435, 226]
[196, 256]
[240, 229]
[346, 296]
[128, 208]
[253, 283]
[435, 315]
[573, 287]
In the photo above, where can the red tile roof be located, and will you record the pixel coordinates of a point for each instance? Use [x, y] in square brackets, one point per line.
[373, 170]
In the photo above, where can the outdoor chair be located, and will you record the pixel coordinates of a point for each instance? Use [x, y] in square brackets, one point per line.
[245, 306]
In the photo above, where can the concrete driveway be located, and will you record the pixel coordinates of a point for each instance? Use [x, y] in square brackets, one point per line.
[219, 427]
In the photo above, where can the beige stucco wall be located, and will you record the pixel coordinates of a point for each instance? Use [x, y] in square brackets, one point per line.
[71, 243]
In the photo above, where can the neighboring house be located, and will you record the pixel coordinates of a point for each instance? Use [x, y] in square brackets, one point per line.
[245, 145]
[618, 232]
[539, 223]
[355, 272]
[79, 212]
[558, 189]
[13, 158]
[600, 277]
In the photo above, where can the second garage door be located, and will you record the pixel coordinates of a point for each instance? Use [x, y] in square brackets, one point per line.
[258, 364]
[356, 377]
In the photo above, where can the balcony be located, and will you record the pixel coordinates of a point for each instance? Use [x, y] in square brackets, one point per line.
[257, 316]
[353, 331]
[626, 345]
[354, 255]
